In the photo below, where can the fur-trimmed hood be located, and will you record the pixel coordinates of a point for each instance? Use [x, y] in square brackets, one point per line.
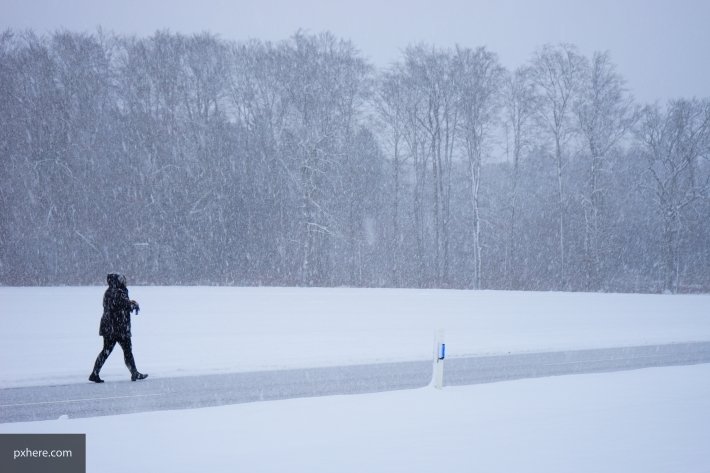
[116, 280]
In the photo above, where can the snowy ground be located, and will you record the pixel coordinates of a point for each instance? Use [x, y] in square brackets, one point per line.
[50, 335]
[645, 421]
[651, 420]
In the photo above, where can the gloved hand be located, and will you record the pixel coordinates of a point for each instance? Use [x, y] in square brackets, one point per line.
[135, 307]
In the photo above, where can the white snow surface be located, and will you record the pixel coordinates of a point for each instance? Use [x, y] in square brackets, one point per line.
[646, 421]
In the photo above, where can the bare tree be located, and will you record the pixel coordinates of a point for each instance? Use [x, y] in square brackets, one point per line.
[258, 101]
[520, 108]
[432, 75]
[324, 86]
[479, 75]
[674, 141]
[605, 113]
[391, 109]
[556, 72]
[416, 140]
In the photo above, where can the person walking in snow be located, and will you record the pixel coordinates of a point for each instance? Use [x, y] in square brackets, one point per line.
[115, 326]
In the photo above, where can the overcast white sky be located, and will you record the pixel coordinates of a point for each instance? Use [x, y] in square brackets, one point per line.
[662, 47]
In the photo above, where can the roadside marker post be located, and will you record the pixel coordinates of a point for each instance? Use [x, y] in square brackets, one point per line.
[439, 356]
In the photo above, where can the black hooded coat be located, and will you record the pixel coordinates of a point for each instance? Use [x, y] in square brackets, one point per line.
[116, 319]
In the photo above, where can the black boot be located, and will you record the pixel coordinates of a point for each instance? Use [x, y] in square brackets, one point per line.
[136, 376]
[95, 378]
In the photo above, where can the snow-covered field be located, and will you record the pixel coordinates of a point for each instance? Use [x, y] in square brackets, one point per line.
[652, 420]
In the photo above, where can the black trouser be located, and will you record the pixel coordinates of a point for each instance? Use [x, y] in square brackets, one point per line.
[109, 343]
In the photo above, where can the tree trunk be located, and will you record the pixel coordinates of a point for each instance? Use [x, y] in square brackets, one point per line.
[561, 208]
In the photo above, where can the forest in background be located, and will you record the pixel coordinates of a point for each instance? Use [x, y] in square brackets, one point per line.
[196, 160]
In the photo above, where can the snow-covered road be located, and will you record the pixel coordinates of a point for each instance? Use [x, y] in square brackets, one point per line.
[188, 392]
[90, 400]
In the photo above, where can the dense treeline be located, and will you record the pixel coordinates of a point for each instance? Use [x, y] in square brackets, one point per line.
[193, 160]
